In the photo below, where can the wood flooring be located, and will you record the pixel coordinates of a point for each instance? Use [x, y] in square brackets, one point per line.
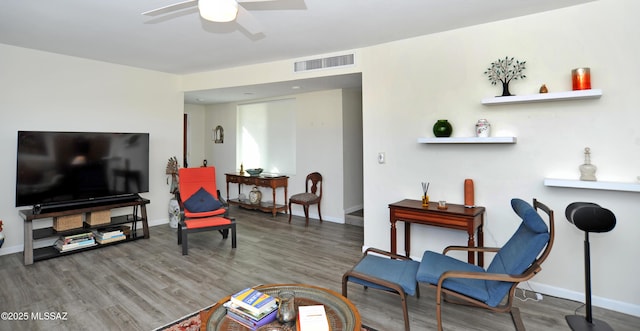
[144, 284]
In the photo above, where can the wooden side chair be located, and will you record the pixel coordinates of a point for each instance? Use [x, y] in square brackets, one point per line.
[201, 206]
[517, 261]
[311, 196]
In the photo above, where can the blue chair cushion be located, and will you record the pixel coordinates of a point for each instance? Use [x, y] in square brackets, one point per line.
[401, 272]
[433, 265]
[202, 201]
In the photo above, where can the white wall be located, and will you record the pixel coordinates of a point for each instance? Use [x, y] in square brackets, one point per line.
[319, 147]
[50, 92]
[409, 84]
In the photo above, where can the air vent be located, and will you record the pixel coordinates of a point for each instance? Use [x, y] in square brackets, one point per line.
[327, 62]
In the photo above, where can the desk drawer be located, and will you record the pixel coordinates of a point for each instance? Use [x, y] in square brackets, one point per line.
[436, 219]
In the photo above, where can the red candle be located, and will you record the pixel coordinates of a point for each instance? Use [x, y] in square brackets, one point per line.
[468, 193]
[581, 79]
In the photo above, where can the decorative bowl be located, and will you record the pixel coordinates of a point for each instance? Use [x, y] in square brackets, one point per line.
[254, 172]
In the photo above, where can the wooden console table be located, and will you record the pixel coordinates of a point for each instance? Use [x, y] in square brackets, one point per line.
[454, 217]
[272, 181]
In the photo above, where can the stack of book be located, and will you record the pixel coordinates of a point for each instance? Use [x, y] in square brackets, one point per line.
[108, 235]
[252, 308]
[76, 241]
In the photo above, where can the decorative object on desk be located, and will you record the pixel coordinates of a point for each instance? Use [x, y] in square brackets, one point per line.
[286, 307]
[442, 205]
[254, 171]
[218, 135]
[544, 89]
[1, 234]
[588, 170]
[504, 71]
[241, 168]
[483, 128]
[425, 196]
[172, 170]
[469, 193]
[442, 128]
[581, 79]
[255, 196]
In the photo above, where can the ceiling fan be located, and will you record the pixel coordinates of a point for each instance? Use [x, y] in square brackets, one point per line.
[216, 11]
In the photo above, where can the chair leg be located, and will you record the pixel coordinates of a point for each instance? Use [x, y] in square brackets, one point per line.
[224, 233]
[289, 211]
[306, 215]
[179, 234]
[233, 236]
[185, 243]
[405, 310]
[319, 214]
[517, 319]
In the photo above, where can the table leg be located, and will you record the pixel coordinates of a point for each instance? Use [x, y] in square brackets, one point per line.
[273, 208]
[407, 238]
[481, 241]
[471, 257]
[393, 236]
[28, 243]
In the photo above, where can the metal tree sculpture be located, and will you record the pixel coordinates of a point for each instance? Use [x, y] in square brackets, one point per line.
[504, 71]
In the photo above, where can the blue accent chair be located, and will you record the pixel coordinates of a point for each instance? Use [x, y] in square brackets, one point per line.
[518, 260]
[387, 272]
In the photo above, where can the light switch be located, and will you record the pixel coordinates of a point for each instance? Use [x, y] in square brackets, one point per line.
[381, 158]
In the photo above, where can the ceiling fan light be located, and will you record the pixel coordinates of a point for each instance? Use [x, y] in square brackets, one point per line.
[218, 10]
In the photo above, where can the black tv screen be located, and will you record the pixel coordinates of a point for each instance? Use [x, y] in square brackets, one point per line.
[75, 167]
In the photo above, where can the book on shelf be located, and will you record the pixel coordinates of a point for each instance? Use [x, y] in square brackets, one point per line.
[254, 301]
[62, 247]
[103, 241]
[70, 239]
[249, 322]
[312, 318]
[108, 232]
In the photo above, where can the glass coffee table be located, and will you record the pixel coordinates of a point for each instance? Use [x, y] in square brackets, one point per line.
[342, 314]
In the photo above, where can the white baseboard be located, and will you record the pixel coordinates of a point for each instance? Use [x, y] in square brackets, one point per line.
[597, 301]
[353, 208]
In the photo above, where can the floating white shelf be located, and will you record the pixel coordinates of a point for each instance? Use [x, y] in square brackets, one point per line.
[542, 97]
[595, 185]
[468, 140]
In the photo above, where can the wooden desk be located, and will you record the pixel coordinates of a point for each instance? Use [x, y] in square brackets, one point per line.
[454, 217]
[272, 181]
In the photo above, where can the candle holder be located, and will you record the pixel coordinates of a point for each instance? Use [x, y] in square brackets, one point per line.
[581, 79]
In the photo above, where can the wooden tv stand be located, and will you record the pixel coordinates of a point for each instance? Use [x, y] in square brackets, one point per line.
[32, 254]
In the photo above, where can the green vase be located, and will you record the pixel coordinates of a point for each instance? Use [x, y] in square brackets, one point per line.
[442, 128]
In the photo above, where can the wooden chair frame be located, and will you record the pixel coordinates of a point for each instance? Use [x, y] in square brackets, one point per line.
[315, 179]
[535, 267]
[393, 287]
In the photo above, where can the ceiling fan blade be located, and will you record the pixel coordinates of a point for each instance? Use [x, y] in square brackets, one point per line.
[248, 21]
[170, 8]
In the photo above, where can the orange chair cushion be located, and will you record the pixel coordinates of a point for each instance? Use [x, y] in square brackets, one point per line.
[207, 222]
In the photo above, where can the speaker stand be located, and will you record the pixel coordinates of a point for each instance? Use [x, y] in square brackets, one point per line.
[588, 323]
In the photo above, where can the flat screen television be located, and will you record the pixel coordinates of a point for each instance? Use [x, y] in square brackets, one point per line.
[57, 169]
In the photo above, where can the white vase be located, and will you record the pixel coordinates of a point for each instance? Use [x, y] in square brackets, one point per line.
[483, 128]
[174, 213]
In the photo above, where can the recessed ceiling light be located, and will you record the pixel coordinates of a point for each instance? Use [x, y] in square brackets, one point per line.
[295, 87]
[200, 99]
[248, 93]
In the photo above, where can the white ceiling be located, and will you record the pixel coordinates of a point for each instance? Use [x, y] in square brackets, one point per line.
[181, 42]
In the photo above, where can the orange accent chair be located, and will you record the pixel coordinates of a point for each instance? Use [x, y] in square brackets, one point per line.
[201, 206]
[312, 195]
